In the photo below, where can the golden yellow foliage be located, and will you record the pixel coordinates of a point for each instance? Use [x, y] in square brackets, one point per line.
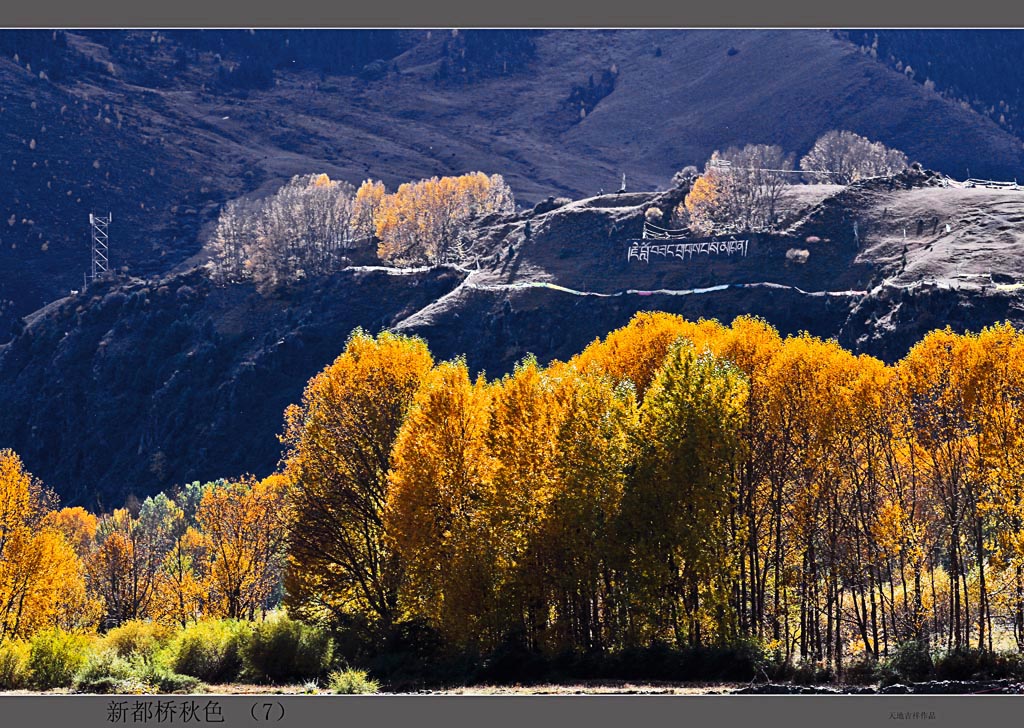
[704, 202]
[77, 525]
[339, 453]
[41, 579]
[244, 528]
[423, 221]
[365, 206]
[440, 480]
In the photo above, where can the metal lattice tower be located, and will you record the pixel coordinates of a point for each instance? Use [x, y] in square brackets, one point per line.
[100, 245]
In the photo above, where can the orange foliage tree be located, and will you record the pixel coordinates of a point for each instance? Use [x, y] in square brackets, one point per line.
[339, 444]
[244, 525]
[42, 583]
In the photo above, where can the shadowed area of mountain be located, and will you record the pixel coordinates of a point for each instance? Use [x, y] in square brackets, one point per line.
[161, 128]
[150, 383]
[136, 385]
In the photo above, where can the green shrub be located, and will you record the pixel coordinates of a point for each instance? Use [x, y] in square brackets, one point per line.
[210, 650]
[14, 672]
[911, 661]
[286, 650]
[862, 670]
[809, 672]
[351, 682]
[54, 658]
[138, 637]
[971, 664]
[159, 678]
[104, 671]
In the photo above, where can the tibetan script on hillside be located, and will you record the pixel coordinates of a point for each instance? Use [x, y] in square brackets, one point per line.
[643, 251]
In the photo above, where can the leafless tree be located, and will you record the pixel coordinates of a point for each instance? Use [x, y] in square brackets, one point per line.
[842, 157]
[747, 189]
[302, 229]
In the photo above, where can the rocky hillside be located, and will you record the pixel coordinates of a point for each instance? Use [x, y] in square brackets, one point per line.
[136, 385]
[161, 128]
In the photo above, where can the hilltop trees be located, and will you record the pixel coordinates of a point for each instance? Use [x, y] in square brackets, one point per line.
[741, 189]
[425, 222]
[303, 229]
[705, 206]
[745, 189]
[365, 206]
[310, 224]
[847, 157]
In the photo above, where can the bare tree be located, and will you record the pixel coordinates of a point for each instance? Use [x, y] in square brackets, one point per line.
[740, 190]
[760, 177]
[842, 157]
[304, 228]
[234, 230]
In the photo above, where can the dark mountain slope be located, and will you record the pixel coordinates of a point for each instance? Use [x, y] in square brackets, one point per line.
[135, 386]
[144, 125]
[710, 89]
[980, 68]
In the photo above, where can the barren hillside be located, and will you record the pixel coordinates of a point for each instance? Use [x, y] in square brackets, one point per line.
[144, 130]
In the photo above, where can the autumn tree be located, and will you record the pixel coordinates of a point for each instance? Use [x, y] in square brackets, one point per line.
[440, 486]
[677, 502]
[124, 568]
[705, 204]
[41, 580]
[752, 345]
[594, 452]
[77, 525]
[742, 189]
[244, 526]
[364, 208]
[426, 221]
[183, 593]
[524, 414]
[339, 443]
[937, 394]
[675, 481]
[842, 157]
[635, 352]
[998, 377]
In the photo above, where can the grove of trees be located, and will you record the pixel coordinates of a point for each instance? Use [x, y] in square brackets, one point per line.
[677, 482]
[690, 483]
[740, 190]
[747, 189]
[427, 221]
[310, 225]
[304, 228]
[216, 550]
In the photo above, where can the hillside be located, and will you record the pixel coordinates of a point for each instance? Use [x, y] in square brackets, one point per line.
[143, 125]
[134, 386]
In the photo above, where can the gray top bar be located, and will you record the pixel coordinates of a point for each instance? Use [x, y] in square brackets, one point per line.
[522, 13]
